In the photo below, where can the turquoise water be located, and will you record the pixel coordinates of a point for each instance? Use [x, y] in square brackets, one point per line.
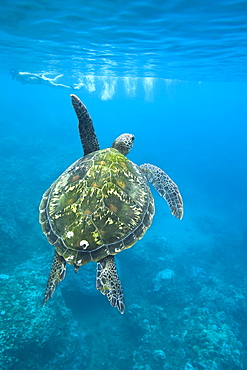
[173, 74]
[188, 40]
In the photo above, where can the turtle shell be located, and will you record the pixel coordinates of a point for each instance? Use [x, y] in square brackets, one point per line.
[99, 206]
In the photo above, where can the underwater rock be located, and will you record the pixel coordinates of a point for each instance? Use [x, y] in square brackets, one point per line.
[221, 297]
[84, 281]
[140, 253]
[208, 343]
[32, 336]
[10, 238]
[163, 278]
[159, 355]
[143, 251]
[202, 325]
[8, 230]
[188, 366]
[198, 273]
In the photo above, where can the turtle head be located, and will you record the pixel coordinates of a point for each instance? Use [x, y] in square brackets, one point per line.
[124, 143]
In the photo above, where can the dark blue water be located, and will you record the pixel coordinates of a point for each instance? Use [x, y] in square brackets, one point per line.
[173, 74]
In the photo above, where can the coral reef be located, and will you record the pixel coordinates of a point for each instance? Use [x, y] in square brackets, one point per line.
[32, 336]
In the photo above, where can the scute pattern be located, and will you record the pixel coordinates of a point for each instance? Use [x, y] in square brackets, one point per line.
[99, 206]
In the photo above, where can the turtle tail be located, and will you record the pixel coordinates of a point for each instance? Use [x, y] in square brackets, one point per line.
[108, 283]
[57, 274]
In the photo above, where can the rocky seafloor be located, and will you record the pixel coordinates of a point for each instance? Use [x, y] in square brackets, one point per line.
[179, 315]
[183, 311]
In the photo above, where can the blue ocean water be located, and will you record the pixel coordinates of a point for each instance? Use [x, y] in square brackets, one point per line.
[175, 75]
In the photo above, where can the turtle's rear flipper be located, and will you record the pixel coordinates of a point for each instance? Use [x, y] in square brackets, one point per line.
[57, 274]
[108, 283]
[165, 187]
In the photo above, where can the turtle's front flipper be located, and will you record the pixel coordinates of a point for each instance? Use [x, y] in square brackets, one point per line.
[165, 187]
[87, 134]
[57, 274]
[107, 281]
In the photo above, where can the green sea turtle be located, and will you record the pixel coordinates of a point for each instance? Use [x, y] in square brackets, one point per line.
[99, 206]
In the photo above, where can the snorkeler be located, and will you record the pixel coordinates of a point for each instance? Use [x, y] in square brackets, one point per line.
[78, 86]
[35, 78]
